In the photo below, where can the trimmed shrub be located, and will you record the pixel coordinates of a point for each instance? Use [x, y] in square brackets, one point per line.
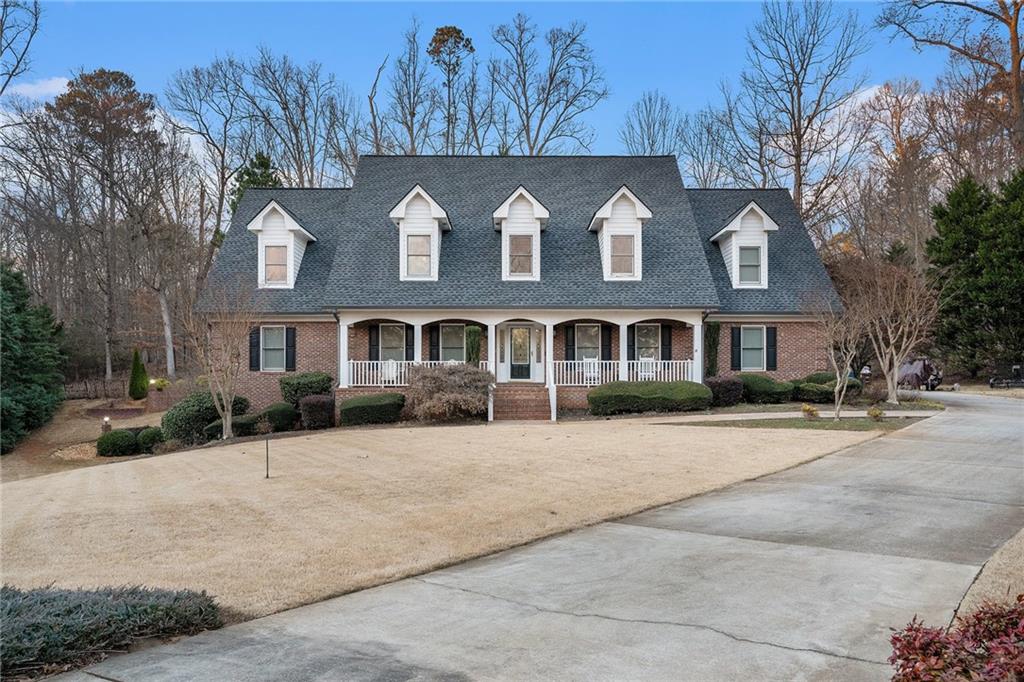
[295, 387]
[820, 378]
[47, 629]
[161, 383]
[725, 391]
[447, 392]
[138, 384]
[985, 646]
[876, 413]
[186, 421]
[853, 386]
[620, 397]
[244, 425]
[117, 443]
[282, 416]
[762, 389]
[150, 438]
[317, 411]
[376, 408]
[473, 336]
[813, 393]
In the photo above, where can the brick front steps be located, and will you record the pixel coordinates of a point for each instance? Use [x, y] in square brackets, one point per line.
[521, 401]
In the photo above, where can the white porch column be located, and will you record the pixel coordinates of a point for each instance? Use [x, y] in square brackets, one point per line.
[417, 342]
[623, 352]
[698, 351]
[549, 368]
[343, 377]
[492, 364]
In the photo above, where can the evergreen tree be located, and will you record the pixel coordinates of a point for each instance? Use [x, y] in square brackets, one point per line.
[259, 172]
[138, 385]
[1001, 258]
[31, 383]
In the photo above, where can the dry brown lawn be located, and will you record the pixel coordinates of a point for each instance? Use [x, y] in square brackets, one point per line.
[1001, 579]
[348, 509]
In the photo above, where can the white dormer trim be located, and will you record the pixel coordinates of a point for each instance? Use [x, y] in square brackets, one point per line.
[275, 226]
[749, 228]
[520, 225]
[429, 225]
[608, 223]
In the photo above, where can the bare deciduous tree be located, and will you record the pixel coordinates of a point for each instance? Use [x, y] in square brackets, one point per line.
[986, 33]
[549, 98]
[448, 50]
[703, 149]
[651, 126]
[19, 23]
[413, 109]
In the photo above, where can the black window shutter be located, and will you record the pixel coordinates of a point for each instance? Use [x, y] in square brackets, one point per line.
[770, 354]
[289, 349]
[374, 342]
[606, 342]
[254, 349]
[435, 342]
[570, 342]
[631, 342]
[666, 342]
[735, 349]
[410, 338]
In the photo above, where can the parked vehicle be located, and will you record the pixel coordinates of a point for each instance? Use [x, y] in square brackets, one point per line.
[919, 373]
[1015, 379]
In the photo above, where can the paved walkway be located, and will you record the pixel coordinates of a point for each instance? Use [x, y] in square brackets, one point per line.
[795, 576]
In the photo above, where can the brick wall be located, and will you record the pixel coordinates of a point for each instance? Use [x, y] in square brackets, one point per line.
[800, 349]
[359, 339]
[316, 350]
[682, 338]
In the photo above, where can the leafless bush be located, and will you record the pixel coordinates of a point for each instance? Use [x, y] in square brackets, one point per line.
[446, 392]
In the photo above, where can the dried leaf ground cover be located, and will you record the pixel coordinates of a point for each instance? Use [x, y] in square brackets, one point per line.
[351, 508]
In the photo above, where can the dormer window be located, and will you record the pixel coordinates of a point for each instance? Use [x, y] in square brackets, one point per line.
[520, 219]
[281, 244]
[619, 226]
[420, 221]
[744, 246]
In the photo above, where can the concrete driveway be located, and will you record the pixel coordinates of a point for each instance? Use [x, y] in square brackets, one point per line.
[796, 576]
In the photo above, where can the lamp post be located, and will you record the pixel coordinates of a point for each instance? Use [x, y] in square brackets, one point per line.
[105, 428]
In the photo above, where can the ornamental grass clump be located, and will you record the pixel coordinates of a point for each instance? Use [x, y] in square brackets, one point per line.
[448, 392]
[810, 411]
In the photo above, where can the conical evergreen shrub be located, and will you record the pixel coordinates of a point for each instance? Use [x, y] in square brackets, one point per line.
[138, 386]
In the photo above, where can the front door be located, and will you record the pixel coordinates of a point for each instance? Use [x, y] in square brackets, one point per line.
[520, 352]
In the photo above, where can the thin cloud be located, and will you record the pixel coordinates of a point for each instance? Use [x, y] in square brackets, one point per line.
[44, 88]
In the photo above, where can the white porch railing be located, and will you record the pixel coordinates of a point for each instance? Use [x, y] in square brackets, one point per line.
[659, 370]
[585, 372]
[390, 372]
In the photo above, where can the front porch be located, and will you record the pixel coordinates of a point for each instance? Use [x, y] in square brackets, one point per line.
[544, 349]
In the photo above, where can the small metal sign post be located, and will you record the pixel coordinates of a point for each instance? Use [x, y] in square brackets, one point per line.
[268, 457]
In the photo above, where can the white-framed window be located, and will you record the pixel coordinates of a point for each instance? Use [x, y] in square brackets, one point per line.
[588, 342]
[520, 255]
[418, 252]
[272, 349]
[453, 342]
[648, 342]
[750, 264]
[752, 348]
[392, 342]
[275, 264]
[623, 255]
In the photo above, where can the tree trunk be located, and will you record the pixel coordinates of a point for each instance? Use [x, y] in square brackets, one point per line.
[891, 383]
[165, 314]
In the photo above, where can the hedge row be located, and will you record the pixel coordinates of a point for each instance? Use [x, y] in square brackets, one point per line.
[125, 442]
[619, 397]
[376, 408]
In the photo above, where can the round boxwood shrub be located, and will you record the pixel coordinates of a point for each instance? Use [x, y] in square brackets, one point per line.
[186, 421]
[244, 425]
[282, 416]
[762, 389]
[725, 391]
[853, 386]
[620, 397]
[317, 411]
[117, 443]
[820, 378]
[376, 408]
[813, 393]
[149, 438]
[295, 387]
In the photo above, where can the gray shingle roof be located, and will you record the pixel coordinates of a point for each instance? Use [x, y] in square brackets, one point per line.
[795, 271]
[354, 262]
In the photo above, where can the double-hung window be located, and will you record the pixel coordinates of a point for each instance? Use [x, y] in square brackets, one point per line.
[648, 342]
[417, 254]
[453, 342]
[752, 349]
[392, 342]
[588, 342]
[750, 265]
[272, 349]
[275, 264]
[520, 254]
[623, 260]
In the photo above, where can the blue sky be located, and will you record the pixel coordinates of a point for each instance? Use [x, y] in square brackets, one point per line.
[683, 49]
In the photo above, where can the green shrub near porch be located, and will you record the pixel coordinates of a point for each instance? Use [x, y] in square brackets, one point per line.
[376, 408]
[762, 389]
[296, 387]
[620, 397]
[813, 393]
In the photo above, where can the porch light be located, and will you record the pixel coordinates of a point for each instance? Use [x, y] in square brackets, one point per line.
[152, 381]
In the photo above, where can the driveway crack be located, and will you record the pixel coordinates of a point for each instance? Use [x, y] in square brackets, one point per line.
[646, 621]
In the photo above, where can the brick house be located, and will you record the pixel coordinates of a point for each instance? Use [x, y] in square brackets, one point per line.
[563, 272]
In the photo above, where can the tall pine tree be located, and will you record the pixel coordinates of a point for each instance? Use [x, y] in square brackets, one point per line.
[1002, 264]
